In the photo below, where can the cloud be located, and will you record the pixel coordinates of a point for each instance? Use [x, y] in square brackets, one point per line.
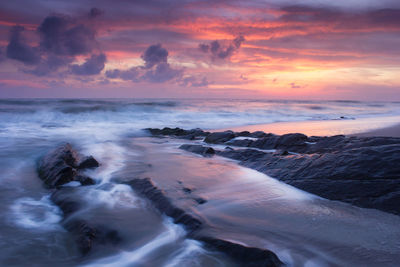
[162, 73]
[218, 51]
[18, 50]
[95, 12]
[61, 40]
[192, 81]
[154, 54]
[156, 68]
[92, 66]
[51, 63]
[131, 74]
[61, 35]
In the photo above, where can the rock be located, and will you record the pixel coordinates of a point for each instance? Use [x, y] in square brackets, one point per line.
[200, 200]
[85, 180]
[88, 162]
[87, 236]
[198, 149]
[158, 198]
[219, 137]
[184, 134]
[58, 167]
[245, 256]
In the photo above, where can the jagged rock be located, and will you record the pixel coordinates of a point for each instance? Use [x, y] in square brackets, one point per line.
[219, 137]
[146, 188]
[60, 167]
[246, 256]
[198, 149]
[88, 162]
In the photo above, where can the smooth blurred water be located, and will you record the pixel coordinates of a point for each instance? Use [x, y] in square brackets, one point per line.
[111, 131]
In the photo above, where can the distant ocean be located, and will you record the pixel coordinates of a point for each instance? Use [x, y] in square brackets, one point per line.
[29, 116]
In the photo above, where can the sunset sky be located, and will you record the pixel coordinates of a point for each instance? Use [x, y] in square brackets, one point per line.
[280, 49]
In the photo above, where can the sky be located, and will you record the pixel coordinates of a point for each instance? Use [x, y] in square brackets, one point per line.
[270, 49]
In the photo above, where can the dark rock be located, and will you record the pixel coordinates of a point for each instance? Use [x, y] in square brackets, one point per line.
[219, 137]
[240, 142]
[200, 200]
[158, 198]
[187, 190]
[244, 133]
[62, 198]
[85, 180]
[245, 256]
[258, 134]
[198, 149]
[86, 235]
[184, 134]
[58, 167]
[88, 162]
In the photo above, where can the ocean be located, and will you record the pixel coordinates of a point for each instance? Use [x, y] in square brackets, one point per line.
[243, 205]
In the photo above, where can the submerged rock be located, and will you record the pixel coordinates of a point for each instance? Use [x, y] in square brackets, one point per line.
[244, 256]
[146, 188]
[60, 167]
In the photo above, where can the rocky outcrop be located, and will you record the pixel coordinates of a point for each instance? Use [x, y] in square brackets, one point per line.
[62, 166]
[157, 197]
[243, 255]
[363, 171]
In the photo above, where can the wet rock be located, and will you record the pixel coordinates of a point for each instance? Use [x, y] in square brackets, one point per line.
[245, 256]
[178, 132]
[88, 162]
[219, 137]
[58, 167]
[198, 149]
[158, 198]
[200, 200]
[85, 180]
[87, 236]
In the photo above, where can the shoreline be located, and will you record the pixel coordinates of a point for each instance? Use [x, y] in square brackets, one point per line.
[367, 127]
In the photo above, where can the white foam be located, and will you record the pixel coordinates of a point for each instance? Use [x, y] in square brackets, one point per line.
[190, 249]
[133, 258]
[114, 195]
[36, 214]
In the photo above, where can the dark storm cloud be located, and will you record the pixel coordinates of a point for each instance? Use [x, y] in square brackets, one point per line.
[95, 12]
[92, 66]
[18, 49]
[156, 68]
[61, 40]
[131, 74]
[161, 73]
[63, 36]
[218, 51]
[154, 54]
[51, 63]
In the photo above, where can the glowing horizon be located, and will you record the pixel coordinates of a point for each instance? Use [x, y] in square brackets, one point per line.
[258, 49]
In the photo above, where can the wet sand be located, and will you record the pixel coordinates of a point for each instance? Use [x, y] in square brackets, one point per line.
[378, 126]
[393, 131]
